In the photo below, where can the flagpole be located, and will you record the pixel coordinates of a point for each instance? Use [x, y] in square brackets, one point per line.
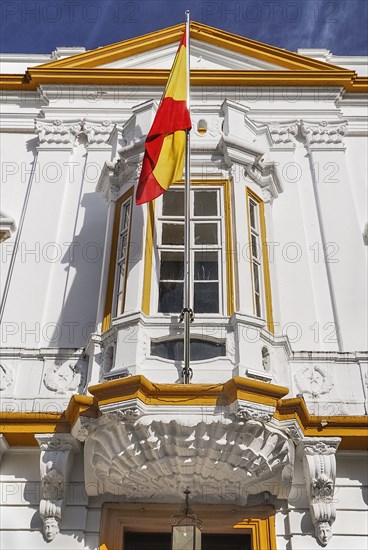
[187, 312]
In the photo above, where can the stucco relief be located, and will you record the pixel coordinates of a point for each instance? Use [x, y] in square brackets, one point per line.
[284, 135]
[98, 132]
[314, 381]
[64, 132]
[57, 132]
[158, 453]
[65, 377]
[324, 133]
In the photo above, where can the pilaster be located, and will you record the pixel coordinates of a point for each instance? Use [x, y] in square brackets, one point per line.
[343, 249]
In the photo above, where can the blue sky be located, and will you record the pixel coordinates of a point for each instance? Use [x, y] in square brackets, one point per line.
[39, 26]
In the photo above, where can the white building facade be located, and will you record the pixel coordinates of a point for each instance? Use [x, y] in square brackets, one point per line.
[99, 435]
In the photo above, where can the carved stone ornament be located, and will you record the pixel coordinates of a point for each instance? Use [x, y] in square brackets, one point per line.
[124, 415]
[57, 132]
[319, 463]
[324, 134]
[251, 412]
[98, 133]
[152, 455]
[6, 377]
[56, 460]
[284, 135]
[314, 381]
[65, 378]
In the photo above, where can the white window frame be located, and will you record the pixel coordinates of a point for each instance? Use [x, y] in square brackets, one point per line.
[118, 304]
[219, 247]
[255, 236]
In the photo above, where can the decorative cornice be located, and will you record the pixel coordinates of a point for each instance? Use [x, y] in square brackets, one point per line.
[137, 391]
[319, 464]
[35, 77]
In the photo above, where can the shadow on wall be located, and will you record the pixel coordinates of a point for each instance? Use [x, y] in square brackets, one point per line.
[83, 264]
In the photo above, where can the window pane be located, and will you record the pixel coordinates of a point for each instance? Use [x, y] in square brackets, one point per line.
[123, 246]
[173, 203]
[170, 297]
[199, 349]
[205, 233]
[256, 277]
[205, 203]
[172, 233]
[252, 214]
[172, 266]
[206, 266]
[255, 248]
[258, 305]
[126, 216]
[206, 298]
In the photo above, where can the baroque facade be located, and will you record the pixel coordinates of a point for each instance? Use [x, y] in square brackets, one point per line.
[99, 435]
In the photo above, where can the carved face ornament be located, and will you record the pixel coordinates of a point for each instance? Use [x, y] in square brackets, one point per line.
[50, 528]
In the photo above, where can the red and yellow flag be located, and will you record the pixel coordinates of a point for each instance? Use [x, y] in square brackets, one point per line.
[163, 159]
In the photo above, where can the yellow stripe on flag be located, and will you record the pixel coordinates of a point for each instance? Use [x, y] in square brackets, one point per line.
[176, 85]
[169, 167]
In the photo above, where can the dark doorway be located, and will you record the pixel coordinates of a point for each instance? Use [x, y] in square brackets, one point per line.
[162, 541]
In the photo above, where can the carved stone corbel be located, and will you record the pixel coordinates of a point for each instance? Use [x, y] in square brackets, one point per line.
[319, 464]
[56, 460]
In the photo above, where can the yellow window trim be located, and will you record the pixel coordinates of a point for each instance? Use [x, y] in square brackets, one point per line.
[148, 255]
[112, 265]
[228, 248]
[258, 521]
[265, 262]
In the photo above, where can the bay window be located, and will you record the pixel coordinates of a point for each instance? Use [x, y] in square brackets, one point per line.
[206, 248]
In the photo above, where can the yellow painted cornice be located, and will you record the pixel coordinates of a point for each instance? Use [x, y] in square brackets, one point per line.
[82, 69]
[37, 76]
[19, 428]
[186, 394]
[198, 31]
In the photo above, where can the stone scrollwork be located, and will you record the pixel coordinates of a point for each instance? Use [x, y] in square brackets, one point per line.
[98, 133]
[252, 413]
[57, 132]
[65, 377]
[158, 452]
[325, 134]
[284, 135]
[64, 132]
[56, 460]
[319, 463]
[124, 415]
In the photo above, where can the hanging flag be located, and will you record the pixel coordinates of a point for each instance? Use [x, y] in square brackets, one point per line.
[163, 159]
